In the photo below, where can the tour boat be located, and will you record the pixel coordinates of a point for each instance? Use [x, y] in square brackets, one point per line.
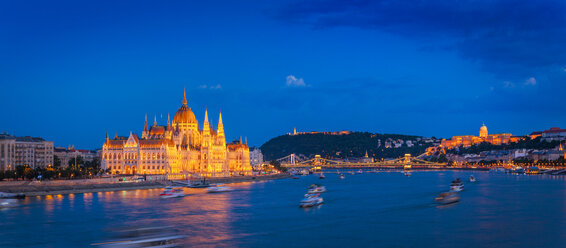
[171, 192]
[472, 178]
[145, 237]
[447, 198]
[219, 189]
[342, 176]
[322, 176]
[12, 195]
[315, 189]
[456, 185]
[311, 200]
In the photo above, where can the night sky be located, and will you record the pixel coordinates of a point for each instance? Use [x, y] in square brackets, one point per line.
[72, 70]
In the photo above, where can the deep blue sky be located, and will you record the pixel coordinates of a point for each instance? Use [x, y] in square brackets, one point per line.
[72, 70]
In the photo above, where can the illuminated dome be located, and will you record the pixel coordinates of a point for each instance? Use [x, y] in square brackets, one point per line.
[483, 131]
[184, 114]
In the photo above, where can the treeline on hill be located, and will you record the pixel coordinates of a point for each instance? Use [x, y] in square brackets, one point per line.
[525, 143]
[339, 146]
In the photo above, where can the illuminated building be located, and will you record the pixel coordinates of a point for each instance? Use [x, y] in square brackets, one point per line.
[469, 140]
[179, 149]
[31, 151]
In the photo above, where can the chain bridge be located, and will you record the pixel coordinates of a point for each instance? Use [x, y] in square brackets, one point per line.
[406, 162]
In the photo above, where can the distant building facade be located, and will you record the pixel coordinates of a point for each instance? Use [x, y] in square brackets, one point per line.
[31, 151]
[67, 154]
[256, 157]
[554, 133]
[178, 148]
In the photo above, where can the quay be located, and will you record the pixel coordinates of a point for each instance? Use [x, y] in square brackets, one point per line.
[61, 187]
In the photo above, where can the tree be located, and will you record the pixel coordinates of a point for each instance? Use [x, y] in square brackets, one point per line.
[79, 162]
[277, 166]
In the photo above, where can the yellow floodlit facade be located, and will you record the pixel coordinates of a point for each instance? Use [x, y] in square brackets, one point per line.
[179, 148]
[469, 140]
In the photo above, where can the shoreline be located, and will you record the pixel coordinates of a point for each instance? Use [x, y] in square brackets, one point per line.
[42, 190]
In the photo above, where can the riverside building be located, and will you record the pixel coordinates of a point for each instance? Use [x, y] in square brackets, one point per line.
[31, 151]
[180, 148]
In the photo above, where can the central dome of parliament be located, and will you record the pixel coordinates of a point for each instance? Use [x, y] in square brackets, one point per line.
[184, 114]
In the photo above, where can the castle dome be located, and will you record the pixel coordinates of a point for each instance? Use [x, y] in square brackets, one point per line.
[184, 114]
[483, 131]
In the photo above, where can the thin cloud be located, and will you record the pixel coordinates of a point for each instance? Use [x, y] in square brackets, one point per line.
[531, 81]
[292, 81]
[211, 87]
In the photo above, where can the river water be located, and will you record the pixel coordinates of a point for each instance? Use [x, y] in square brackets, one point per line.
[386, 209]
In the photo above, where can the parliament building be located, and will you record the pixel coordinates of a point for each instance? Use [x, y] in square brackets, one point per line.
[180, 149]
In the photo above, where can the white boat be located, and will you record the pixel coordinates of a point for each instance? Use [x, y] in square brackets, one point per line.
[322, 176]
[408, 173]
[219, 189]
[447, 198]
[342, 176]
[360, 171]
[171, 192]
[316, 189]
[472, 178]
[12, 195]
[311, 200]
[144, 237]
[456, 185]
[8, 203]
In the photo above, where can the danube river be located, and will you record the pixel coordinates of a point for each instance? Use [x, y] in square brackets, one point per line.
[386, 209]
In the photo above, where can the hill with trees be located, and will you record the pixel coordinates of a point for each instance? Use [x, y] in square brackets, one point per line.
[354, 144]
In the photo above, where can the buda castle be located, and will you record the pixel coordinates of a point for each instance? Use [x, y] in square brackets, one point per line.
[179, 149]
[470, 140]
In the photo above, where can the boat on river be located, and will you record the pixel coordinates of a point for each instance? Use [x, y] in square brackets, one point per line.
[321, 176]
[456, 185]
[12, 195]
[145, 237]
[472, 178]
[447, 198]
[219, 189]
[342, 176]
[8, 203]
[311, 200]
[172, 192]
[316, 189]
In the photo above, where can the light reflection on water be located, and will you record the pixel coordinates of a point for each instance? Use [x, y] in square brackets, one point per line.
[384, 209]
